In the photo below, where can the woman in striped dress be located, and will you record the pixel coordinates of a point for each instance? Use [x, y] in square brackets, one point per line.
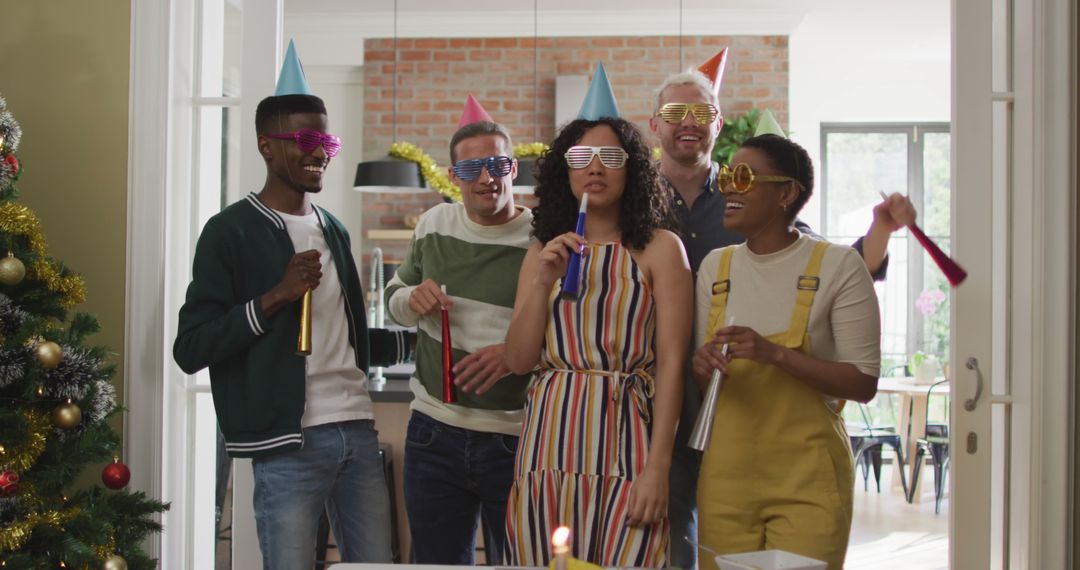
[595, 448]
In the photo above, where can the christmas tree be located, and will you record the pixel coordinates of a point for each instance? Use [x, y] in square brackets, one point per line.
[55, 398]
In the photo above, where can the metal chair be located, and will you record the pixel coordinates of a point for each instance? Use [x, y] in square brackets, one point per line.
[936, 444]
[867, 441]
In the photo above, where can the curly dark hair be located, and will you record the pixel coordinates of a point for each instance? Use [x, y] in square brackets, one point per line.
[646, 202]
[790, 159]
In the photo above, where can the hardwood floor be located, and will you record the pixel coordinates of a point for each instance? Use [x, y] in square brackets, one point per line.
[887, 532]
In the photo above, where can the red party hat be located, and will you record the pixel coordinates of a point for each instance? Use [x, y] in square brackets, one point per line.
[714, 70]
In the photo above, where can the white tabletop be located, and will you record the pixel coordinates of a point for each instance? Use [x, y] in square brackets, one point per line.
[907, 385]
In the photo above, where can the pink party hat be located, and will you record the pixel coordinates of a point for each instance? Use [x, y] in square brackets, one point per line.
[473, 113]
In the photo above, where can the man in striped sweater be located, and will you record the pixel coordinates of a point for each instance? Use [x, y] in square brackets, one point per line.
[459, 457]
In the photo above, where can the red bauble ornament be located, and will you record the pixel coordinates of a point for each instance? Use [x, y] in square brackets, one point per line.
[115, 475]
[9, 483]
[13, 163]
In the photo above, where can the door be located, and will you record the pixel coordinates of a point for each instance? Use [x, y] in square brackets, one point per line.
[1010, 484]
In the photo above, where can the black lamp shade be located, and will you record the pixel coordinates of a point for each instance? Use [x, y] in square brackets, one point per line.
[390, 175]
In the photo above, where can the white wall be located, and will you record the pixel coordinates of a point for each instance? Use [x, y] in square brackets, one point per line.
[342, 89]
[867, 61]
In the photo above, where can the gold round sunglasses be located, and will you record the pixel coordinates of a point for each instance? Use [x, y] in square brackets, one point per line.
[741, 179]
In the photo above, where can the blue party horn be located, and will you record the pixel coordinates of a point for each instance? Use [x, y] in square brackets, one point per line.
[571, 284]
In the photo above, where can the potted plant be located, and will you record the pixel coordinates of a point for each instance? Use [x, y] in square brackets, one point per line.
[735, 131]
[925, 364]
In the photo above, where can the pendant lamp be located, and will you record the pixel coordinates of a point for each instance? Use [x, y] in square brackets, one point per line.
[525, 183]
[390, 175]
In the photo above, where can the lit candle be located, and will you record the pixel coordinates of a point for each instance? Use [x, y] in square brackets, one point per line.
[560, 547]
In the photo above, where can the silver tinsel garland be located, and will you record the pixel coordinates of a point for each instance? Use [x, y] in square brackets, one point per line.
[73, 378]
[13, 363]
[11, 316]
[9, 129]
[101, 404]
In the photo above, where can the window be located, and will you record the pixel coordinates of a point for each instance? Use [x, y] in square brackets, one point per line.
[204, 175]
[861, 160]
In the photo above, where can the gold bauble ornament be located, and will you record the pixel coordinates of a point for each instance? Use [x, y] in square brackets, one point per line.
[67, 415]
[115, 562]
[12, 270]
[49, 354]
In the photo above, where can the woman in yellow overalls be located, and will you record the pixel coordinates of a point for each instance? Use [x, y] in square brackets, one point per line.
[778, 472]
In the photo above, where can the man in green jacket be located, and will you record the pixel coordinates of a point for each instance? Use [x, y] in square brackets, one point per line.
[307, 421]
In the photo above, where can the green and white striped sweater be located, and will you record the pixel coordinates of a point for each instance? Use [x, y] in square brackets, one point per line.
[479, 266]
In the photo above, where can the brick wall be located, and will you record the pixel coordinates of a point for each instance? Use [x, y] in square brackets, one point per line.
[434, 76]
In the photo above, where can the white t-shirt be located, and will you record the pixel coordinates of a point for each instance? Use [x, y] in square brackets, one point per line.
[845, 325]
[336, 390]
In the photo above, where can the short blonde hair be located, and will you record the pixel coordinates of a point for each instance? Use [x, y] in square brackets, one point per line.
[688, 77]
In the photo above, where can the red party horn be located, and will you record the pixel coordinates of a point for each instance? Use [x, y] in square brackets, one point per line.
[448, 394]
[952, 270]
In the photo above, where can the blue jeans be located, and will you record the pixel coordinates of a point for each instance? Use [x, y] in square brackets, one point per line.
[337, 469]
[452, 476]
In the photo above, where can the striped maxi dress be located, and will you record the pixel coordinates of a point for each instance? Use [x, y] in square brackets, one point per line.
[586, 431]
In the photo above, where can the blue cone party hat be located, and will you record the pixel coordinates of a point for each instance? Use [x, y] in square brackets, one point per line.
[599, 100]
[291, 80]
[768, 125]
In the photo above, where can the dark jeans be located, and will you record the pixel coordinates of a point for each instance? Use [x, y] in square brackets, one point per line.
[452, 477]
[682, 485]
[682, 506]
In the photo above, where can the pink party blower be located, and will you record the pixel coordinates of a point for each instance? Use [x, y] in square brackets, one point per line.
[952, 270]
[571, 284]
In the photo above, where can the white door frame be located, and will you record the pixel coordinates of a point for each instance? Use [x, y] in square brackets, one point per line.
[1012, 166]
[144, 344]
[157, 430]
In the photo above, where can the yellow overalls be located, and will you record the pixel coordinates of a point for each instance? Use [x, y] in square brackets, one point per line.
[778, 473]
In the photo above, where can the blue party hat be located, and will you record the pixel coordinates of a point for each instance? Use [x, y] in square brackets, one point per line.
[599, 100]
[768, 125]
[291, 80]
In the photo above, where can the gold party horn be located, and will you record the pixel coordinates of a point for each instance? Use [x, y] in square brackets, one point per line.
[303, 341]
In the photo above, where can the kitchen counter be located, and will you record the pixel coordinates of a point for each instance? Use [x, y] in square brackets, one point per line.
[393, 390]
[396, 387]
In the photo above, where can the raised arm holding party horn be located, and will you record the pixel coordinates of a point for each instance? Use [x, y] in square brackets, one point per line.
[952, 270]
